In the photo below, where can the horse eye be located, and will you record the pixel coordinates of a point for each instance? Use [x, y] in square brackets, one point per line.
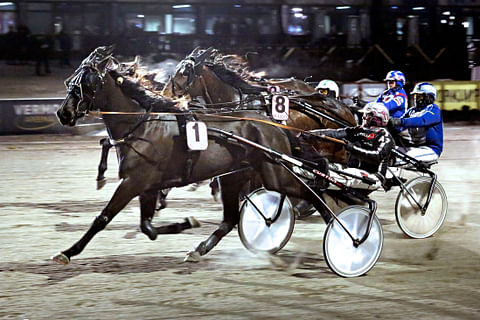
[91, 79]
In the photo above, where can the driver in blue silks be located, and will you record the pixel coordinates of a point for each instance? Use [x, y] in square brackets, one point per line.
[395, 97]
[424, 124]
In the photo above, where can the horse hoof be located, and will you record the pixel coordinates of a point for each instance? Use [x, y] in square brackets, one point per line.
[101, 183]
[61, 258]
[194, 223]
[192, 256]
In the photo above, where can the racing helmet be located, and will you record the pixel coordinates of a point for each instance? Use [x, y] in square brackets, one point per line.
[328, 88]
[375, 114]
[424, 94]
[396, 76]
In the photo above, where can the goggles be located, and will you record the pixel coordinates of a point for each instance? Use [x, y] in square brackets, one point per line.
[324, 91]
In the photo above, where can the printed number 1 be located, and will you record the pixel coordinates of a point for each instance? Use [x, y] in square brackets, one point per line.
[197, 134]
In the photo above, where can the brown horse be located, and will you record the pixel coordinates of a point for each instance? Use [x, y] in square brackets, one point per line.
[153, 153]
[222, 81]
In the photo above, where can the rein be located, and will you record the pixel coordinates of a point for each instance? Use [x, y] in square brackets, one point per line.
[214, 115]
[309, 108]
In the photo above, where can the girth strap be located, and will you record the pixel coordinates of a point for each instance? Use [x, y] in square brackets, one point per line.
[181, 141]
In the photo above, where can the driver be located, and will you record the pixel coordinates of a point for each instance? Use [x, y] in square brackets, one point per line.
[328, 88]
[369, 146]
[424, 124]
[395, 97]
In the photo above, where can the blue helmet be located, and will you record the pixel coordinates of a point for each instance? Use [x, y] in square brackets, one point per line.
[425, 88]
[396, 76]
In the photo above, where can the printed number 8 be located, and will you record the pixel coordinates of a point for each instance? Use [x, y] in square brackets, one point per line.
[280, 104]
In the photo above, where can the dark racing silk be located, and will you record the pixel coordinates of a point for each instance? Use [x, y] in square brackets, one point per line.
[371, 146]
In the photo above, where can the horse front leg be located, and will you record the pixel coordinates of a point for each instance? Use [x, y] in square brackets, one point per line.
[147, 211]
[230, 186]
[102, 166]
[125, 192]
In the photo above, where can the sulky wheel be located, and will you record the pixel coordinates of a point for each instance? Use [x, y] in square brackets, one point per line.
[410, 218]
[266, 221]
[341, 255]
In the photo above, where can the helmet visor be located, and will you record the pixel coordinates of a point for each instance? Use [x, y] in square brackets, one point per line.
[370, 120]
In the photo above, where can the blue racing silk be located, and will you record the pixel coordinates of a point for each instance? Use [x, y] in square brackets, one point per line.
[395, 100]
[425, 127]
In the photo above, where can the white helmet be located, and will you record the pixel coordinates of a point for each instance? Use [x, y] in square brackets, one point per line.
[375, 114]
[425, 88]
[329, 86]
[424, 94]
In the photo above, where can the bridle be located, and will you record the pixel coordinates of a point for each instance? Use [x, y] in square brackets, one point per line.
[190, 67]
[75, 83]
[186, 68]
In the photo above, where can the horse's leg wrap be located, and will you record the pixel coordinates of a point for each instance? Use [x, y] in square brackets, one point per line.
[147, 228]
[205, 246]
[98, 224]
[147, 210]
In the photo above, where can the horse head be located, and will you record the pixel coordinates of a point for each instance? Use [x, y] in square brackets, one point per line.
[85, 84]
[187, 71]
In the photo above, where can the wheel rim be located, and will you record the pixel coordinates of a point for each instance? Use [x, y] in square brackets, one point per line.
[254, 232]
[409, 216]
[341, 255]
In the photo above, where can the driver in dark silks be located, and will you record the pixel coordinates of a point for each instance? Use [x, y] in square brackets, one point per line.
[369, 146]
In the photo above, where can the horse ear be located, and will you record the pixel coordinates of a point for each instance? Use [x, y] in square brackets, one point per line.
[102, 54]
[109, 49]
[104, 51]
[203, 56]
[194, 52]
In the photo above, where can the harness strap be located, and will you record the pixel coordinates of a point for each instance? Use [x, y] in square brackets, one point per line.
[205, 89]
[115, 142]
[192, 156]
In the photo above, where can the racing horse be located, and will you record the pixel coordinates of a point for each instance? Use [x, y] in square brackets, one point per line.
[222, 82]
[153, 153]
[218, 83]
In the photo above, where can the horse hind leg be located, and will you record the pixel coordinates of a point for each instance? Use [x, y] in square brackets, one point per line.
[230, 186]
[147, 209]
[206, 246]
[279, 179]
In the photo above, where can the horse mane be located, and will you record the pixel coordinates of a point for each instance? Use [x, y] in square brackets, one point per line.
[135, 71]
[149, 99]
[233, 70]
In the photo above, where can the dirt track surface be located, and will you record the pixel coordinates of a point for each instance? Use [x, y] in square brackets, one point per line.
[48, 200]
